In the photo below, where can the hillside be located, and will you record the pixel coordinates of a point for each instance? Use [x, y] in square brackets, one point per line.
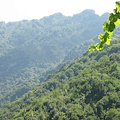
[30, 50]
[86, 89]
[78, 50]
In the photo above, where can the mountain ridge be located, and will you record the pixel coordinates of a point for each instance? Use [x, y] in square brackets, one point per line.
[30, 49]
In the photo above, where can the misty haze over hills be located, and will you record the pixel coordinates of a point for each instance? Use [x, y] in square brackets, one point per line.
[30, 50]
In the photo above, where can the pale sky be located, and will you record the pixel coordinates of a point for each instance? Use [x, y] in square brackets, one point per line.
[17, 10]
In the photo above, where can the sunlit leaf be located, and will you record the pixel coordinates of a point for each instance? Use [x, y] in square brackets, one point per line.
[99, 46]
[118, 7]
[108, 41]
[92, 47]
[105, 26]
[117, 22]
[101, 37]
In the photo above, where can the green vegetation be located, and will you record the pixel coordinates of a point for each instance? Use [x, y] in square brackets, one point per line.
[108, 27]
[30, 50]
[78, 50]
[86, 89]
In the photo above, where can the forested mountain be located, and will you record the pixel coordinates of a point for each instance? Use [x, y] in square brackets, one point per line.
[78, 50]
[86, 89]
[30, 50]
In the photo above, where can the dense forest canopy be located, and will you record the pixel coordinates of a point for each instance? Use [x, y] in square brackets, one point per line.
[86, 89]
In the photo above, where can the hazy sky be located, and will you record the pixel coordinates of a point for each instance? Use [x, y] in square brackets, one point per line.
[16, 10]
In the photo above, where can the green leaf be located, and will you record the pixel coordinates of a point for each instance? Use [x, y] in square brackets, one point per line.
[106, 36]
[92, 47]
[115, 10]
[110, 33]
[105, 26]
[108, 41]
[101, 37]
[118, 7]
[99, 46]
[117, 22]
[111, 27]
[111, 15]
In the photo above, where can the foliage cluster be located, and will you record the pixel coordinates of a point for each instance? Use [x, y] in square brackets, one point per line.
[108, 27]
